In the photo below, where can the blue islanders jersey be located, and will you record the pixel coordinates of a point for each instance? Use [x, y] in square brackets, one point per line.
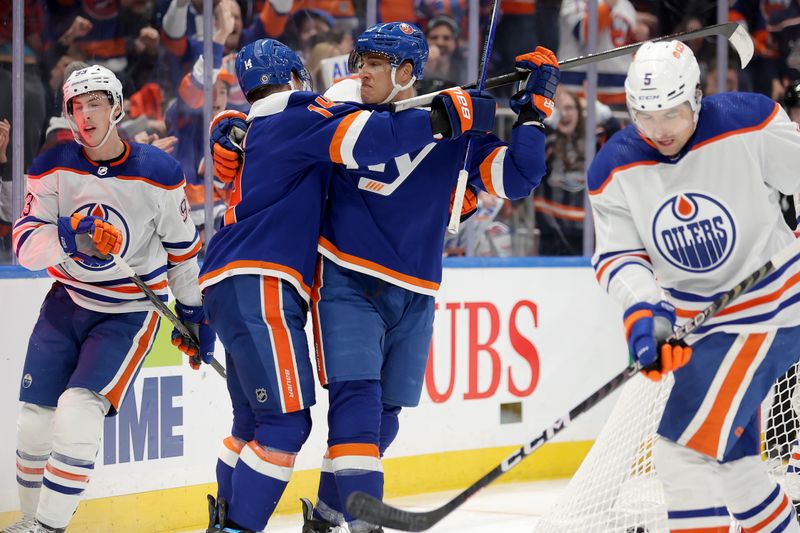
[697, 224]
[293, 144]
[142, 194]
[388, 220]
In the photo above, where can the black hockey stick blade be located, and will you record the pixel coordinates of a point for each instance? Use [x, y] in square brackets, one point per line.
[737, 36]
[166, 312]
[375, 511]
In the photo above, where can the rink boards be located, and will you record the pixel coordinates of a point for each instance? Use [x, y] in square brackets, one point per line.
[517, 343]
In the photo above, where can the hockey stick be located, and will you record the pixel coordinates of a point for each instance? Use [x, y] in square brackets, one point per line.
[374, 511]
[167, 313]
[737, 36]
[463, 174]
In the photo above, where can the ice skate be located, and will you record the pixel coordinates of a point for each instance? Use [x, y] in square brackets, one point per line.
[31, 525]
[313, 525]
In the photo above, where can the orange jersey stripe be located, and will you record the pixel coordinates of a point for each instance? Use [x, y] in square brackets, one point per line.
[485, 170]
[757, 127]
[115, 394]
[706, 439]
[715, 529]
[417, 282]
[191, 253]
[771, 297]
[338, 137]
[316, 295]
[599, 274]
[282, 342]
[362, 449]
[266, 265]
[620, 169]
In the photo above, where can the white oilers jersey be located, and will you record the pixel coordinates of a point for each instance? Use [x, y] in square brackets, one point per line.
[698, 224]
[141, 194]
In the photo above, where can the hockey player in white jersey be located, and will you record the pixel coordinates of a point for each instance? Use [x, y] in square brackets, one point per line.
[85, 201]
[686, 205]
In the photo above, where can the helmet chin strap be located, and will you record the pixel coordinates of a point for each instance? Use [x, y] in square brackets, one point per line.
[111, 123]
[397, 88]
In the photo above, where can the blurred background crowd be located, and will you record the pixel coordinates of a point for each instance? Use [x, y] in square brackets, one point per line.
[155, 47]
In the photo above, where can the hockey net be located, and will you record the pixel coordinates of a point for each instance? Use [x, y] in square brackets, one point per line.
[616, 488]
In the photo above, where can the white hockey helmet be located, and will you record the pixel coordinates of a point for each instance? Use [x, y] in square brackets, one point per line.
[87, 80]
[663, 75]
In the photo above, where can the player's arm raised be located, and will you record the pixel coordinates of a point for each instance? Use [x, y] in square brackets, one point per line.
[359, 137]
[513, 170]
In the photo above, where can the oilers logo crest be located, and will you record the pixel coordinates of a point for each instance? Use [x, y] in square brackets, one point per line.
[694, 232]
[114, 217]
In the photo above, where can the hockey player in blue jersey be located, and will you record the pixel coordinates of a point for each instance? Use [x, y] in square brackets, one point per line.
[685, 203]
[380, 264]
[86, 200]
[258, 271]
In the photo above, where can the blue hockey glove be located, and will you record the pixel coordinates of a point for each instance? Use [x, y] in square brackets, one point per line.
[535, 100]
[456, 112]
[647, 327]
[227, 133]
[101, 239]
[195, 321]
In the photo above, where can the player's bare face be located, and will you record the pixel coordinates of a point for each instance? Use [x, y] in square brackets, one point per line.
[375, 73]
[669, 130]
[91, 113]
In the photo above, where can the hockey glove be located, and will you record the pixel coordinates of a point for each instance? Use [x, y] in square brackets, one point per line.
[647, 327]
[534, 102]
[102, 238]
[456, 112]
[195, 321]
[227, 133]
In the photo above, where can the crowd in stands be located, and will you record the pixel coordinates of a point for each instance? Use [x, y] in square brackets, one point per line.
[155, 48]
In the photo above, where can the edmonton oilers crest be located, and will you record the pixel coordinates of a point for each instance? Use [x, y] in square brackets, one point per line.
[694, 232]
[114, 217]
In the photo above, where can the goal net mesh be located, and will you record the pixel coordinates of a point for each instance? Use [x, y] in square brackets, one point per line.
[616, 488]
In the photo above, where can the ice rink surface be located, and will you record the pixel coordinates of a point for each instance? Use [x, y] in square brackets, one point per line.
[504, 508]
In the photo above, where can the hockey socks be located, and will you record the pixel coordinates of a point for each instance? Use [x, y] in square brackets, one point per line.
[329, 507]
[258, 481]
[226, 462]
[357, 467]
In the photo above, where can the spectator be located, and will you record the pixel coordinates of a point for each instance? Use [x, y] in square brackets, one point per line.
[184, 118]
[446, 59]
[784, 31]
[763, 72]
[731, 77]
[618, 26]
[303, 26]
[559, 199]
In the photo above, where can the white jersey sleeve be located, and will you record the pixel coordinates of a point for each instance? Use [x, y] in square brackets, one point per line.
[621, 262]
[780, 146]
[35, 235]
[181, 241]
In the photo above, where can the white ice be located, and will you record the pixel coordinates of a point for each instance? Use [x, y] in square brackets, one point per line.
[503, 508]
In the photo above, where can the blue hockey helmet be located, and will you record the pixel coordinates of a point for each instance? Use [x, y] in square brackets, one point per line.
[268, 62]
[397, 41]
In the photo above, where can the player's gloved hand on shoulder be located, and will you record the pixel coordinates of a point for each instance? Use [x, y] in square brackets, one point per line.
[100, 238]
[456, 112]
[647, 326]
[195, 321]
[227, 132]
[534, 102]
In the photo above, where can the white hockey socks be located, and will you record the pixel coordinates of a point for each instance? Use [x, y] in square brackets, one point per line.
[691, 489]
[34, 441]
[755, 500]
[76, 439]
